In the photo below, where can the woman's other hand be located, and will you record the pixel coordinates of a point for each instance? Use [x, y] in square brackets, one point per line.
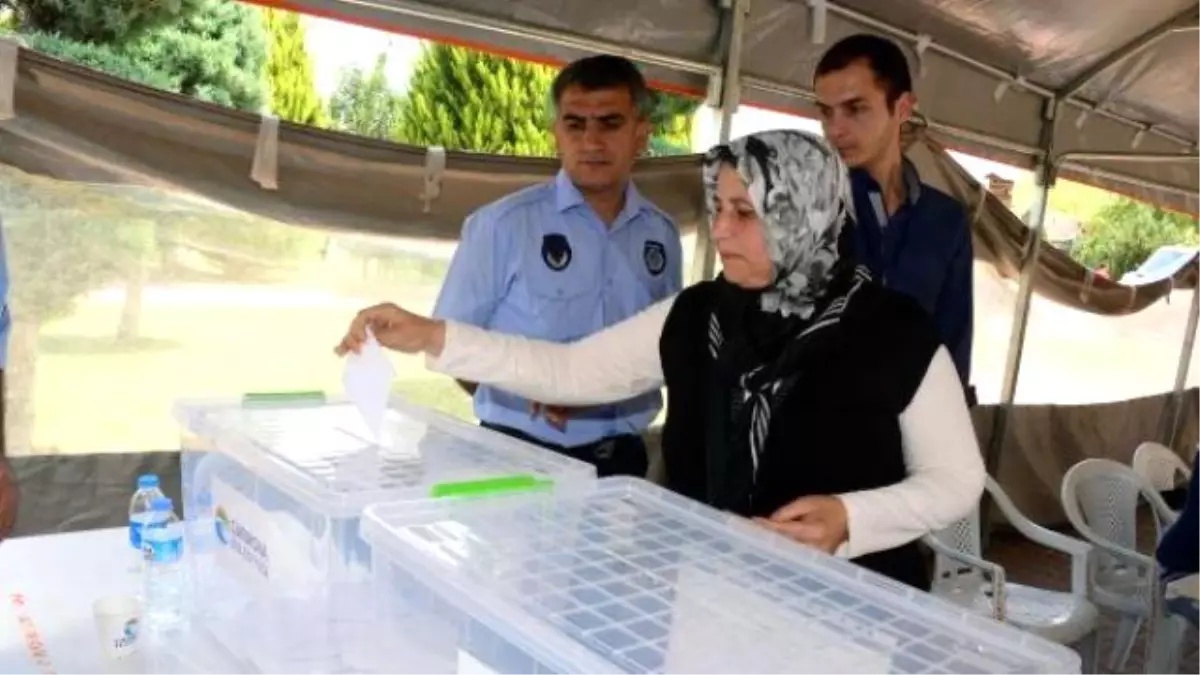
[819, 521]
[395, 328]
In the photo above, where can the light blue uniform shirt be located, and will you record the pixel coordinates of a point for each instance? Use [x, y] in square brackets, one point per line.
[542, 264]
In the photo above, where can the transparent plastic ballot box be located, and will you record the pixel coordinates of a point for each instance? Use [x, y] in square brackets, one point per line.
[273, 489]
[626, 577]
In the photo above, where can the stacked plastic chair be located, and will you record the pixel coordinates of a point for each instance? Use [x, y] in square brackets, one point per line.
[1101, 497]
[962, 576]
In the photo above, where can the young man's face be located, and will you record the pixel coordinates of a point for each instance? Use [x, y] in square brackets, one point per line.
[599, 135]
[856, 116]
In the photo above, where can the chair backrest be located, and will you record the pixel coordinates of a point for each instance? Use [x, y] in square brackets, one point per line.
[1160, 466]
[1100, 498]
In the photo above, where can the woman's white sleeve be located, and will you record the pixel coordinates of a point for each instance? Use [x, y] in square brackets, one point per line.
[611, 365]
[945, 469]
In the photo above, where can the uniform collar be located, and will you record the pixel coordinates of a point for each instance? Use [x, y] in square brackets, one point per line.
[567, 196]
[912, 181]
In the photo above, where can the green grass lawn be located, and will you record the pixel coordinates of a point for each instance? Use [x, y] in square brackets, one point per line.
[93, 394]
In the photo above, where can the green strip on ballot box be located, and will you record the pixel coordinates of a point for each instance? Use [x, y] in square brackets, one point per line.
[490, 486]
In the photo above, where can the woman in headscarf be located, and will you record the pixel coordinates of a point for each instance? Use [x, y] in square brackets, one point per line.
[799, 393]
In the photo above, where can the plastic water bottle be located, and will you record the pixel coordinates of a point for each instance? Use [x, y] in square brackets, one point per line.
[164, 577]
[140, 511]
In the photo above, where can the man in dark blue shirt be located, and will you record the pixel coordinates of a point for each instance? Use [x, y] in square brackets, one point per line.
[915, 239]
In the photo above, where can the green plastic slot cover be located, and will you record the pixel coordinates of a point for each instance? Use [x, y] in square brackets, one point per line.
[283, 398]
[490, 486]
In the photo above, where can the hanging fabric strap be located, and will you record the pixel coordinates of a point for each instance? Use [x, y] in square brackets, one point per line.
[265, 170]
[10, 50]
[435, 166]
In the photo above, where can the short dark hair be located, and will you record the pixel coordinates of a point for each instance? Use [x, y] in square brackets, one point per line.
[882, 56]
[604, 71]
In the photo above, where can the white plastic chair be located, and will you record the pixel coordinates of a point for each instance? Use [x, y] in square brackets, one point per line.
[963, 577]
[1100, 498]
[1163, 470]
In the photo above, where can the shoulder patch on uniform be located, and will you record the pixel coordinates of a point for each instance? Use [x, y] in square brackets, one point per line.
[556, 251]
[654, 253]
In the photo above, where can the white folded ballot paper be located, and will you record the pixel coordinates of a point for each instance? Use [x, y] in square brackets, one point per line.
[367, 380]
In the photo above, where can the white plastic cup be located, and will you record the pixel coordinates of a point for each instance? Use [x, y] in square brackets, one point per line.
[117, 621]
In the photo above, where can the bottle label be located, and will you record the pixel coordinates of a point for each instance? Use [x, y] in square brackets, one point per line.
[162, 549]
[135, 533]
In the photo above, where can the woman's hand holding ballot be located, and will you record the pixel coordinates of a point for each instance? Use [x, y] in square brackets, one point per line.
[395, 328]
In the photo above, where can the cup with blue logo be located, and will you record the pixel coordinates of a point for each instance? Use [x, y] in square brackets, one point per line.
[117, 620]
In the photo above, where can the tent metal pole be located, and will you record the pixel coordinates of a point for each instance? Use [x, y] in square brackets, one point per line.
[1016, 342]
[1129, 180]
[1170, 435]
[705, 257]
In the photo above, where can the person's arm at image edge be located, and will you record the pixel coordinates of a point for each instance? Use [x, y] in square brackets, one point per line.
[475, 279]
[611, 365]
[9, 496]
[945, 469]
[956, 307]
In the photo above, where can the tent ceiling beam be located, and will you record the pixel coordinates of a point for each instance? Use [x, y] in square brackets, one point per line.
[1184, 20]
[1062, 157]
[1127, 179]
[560, 38]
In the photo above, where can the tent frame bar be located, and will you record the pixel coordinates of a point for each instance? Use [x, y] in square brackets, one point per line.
[559, 38]
[1185, 19]
[728, 92]
[1044, 92]
[1152, 157]
[426, 10]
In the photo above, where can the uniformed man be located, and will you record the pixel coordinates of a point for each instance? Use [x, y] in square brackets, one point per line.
[914, 238]
[564, 259]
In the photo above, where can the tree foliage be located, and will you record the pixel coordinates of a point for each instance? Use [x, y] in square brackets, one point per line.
[98, 21]
[671, 116]
[1125, 233]
[290, 71]
[364, 102]
[216, 53]
[463, 99]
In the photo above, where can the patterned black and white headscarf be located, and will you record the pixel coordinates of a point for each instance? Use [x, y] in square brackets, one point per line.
[801, 190]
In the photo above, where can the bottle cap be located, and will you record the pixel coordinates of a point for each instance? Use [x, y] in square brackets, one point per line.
[147, 481]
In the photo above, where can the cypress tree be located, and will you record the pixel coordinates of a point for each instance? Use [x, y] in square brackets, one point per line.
[467, 100]
[290, 71]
